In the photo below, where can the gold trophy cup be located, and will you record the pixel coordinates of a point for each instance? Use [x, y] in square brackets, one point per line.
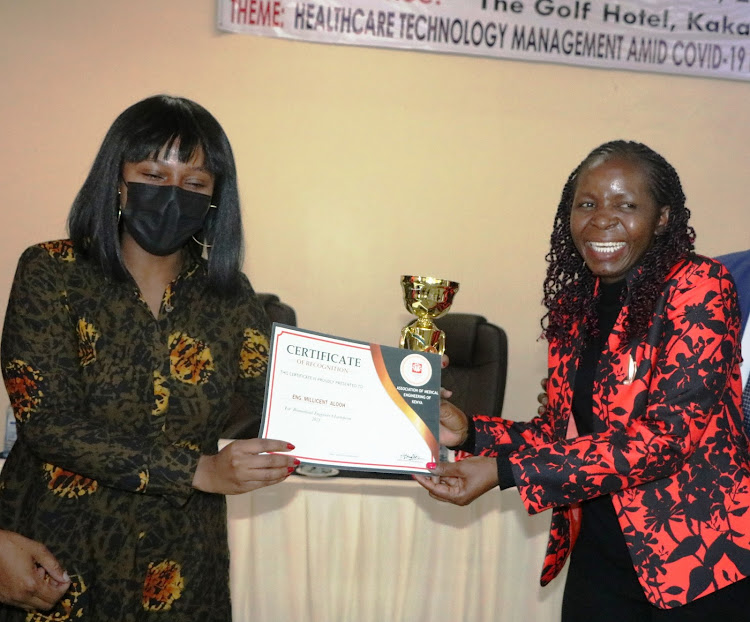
[427, 298]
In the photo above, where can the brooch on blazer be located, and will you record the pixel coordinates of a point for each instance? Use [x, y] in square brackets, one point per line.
[632, 369]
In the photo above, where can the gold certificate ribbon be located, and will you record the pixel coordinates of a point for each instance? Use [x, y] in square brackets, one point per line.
[398, 399]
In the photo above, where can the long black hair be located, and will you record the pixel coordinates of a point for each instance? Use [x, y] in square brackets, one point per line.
[137, 134]
[569, 285]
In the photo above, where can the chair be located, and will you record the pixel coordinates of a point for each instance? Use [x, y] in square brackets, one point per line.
[478, 353]
[241, 422]
[278, 311]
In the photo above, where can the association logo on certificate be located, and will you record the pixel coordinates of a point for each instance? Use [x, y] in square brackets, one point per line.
[350, 404]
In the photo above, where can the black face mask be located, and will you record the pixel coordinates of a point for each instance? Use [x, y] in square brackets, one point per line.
[163, 218]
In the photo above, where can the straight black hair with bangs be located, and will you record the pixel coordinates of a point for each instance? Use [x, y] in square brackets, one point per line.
[140, 133]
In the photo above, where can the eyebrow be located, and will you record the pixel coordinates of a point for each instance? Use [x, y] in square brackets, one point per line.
[157, 160]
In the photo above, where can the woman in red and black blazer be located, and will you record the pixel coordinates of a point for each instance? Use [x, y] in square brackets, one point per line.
[640, 453]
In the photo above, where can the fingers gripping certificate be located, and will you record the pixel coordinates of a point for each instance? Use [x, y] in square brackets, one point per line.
[350, 404]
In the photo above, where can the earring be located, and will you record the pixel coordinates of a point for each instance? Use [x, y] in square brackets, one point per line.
[119, 207]
[203, 244]
[197, 241]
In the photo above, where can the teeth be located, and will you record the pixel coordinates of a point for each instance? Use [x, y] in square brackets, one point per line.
[606, 247]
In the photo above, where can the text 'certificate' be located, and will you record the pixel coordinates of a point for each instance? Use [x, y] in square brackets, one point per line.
[350, 404]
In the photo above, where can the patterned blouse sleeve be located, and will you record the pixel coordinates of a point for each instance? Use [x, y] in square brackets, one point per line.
[253, 364]
[688, 361]
[40, 364]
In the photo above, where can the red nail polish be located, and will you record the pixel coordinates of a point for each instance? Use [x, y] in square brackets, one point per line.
[289, 446]
[290, 469]
[431, 465]
[296, 462]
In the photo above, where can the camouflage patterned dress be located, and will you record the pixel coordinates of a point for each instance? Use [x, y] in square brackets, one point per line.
[114, 407]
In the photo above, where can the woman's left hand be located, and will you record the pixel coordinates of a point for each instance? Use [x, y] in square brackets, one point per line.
[461, 482]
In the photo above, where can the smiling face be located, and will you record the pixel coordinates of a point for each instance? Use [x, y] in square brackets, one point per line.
[614, 217]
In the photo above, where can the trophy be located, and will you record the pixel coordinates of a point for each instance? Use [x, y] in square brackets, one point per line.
[427, 298]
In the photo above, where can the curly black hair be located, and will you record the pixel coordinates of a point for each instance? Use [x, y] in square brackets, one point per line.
[569, 285]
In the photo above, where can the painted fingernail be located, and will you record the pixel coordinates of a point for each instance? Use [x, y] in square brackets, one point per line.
[296, 462]
[431, 465]
[289, 446]
[290, 469]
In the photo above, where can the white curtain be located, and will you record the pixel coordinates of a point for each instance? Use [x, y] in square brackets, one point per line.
[365, 550]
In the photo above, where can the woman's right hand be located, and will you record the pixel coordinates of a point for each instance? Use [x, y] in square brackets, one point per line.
[460, 482]
[30, 576]
[454, 426]
[244, 465]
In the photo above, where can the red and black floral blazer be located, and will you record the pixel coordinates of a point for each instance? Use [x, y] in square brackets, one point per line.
[673, 455]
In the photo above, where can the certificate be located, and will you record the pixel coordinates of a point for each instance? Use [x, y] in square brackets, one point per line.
[350, 404]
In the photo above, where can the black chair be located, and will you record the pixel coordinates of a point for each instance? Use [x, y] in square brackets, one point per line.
[241, 422]
[278, 311]
[478, 353]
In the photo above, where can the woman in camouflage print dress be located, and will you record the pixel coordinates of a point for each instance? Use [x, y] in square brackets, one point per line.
[124, 349]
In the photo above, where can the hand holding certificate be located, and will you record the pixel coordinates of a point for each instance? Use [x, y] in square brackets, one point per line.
[350, 404]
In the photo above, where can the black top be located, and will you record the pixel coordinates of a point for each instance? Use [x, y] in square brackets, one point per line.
[607, 308]
[599, 524]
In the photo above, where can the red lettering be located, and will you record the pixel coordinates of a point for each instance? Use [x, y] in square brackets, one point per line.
[257, 13]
